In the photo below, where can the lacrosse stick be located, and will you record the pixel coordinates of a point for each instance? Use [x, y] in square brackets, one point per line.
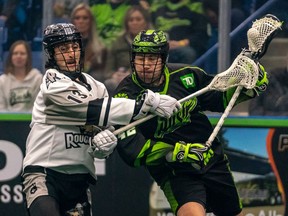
[259, 37]
[242, 72]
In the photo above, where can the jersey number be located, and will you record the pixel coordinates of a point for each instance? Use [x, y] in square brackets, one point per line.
[77, 96]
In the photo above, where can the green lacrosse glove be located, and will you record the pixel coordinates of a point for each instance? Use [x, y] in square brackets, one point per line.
[247, 94]
[261, 84]
[195, 153]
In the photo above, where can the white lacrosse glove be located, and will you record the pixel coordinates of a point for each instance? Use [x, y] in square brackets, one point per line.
[103, 144]
[160, 105]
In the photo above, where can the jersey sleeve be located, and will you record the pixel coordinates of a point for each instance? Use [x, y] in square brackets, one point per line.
[67, 102]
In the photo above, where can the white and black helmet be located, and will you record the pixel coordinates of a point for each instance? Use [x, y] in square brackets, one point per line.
[57, 34]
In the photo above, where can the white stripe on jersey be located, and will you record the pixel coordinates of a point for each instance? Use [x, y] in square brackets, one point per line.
[103, 111]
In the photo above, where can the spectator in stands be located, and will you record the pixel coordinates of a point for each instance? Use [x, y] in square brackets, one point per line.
[118, 64]
[15, 16]
[109, 17]
[156, 4]
[95, 51]
[144, 4]
[211, 11]
[194, 5]
[22, 20]
[59, 13]
[275, 101]
[186, 30]
[20, 83]
[71, 4]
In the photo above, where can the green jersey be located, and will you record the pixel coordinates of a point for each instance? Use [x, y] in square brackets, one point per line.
[109, 20]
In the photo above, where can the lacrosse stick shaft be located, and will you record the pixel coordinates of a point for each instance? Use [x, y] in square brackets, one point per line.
[148, 117]
[224, 116]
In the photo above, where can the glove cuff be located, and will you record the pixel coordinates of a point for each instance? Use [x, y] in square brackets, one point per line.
[149, 103]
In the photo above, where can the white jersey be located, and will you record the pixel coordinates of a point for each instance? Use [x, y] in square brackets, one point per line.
[19, 95]
[62, 119]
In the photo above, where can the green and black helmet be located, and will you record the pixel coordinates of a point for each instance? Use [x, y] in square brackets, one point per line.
[150, 42]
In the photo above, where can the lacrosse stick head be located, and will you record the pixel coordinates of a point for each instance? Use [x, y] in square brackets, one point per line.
[243, 72]
[261, 33]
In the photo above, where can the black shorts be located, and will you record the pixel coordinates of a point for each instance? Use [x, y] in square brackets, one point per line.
[214, 188]
[69, 191]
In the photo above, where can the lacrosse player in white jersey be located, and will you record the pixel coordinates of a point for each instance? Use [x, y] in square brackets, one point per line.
[71, 113]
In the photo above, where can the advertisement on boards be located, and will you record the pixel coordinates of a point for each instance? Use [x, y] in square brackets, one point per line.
[118, 186]
[258, 158]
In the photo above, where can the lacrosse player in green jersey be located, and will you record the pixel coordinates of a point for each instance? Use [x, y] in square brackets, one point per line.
[195, 178]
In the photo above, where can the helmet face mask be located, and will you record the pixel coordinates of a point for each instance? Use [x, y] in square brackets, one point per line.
[149, 55]
[148, 68]
[67, 56]
[57, 38]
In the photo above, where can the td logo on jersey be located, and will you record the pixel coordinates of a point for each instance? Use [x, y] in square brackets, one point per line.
[188, 81]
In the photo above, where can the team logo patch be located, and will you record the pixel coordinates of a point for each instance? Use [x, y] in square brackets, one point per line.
[76, 140]
[188, 81]
[51, 77]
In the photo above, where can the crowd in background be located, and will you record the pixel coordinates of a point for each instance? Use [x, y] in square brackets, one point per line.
[108, 28]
